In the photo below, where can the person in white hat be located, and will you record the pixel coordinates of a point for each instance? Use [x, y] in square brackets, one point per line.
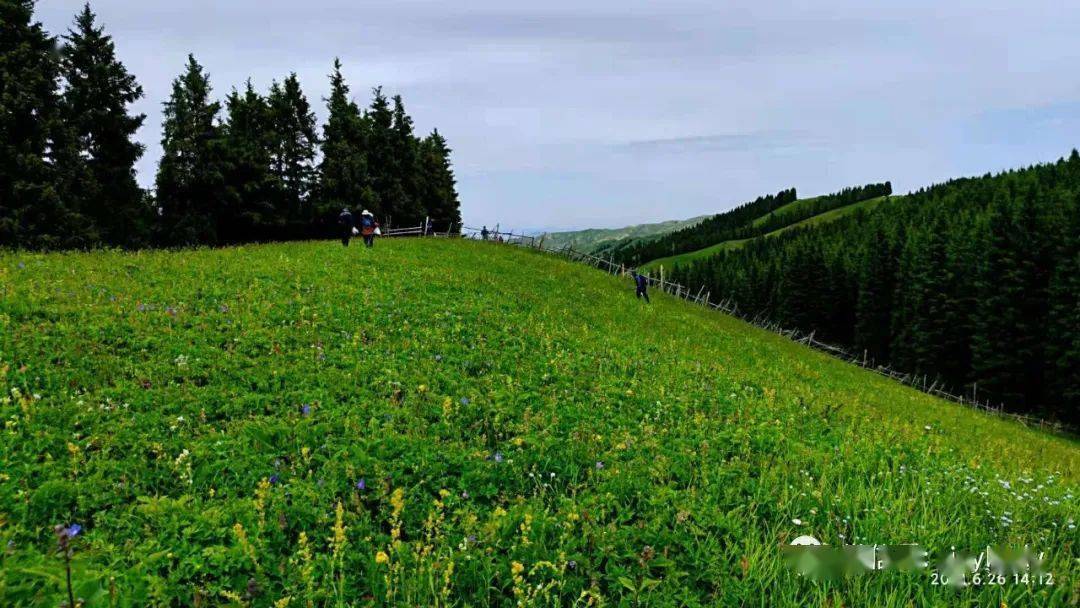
[368, 226]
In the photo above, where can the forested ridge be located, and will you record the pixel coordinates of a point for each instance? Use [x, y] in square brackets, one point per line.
[756, 218]
[256, 167]
[975, 281]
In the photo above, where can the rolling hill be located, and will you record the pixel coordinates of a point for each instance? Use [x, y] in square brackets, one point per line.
[444, 422]
[834, 214]
[590, 239]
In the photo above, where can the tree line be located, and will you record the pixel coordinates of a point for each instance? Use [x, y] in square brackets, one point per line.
[815, 206]
[974, 282]
[254, 168]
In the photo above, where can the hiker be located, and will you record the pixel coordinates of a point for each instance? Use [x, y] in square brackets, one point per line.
[642, 283]
[484, 233]
[429, 227]
[348, 226]
[368, 227]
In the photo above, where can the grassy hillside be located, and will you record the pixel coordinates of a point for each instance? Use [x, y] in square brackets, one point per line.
[459, 423]
[834, 214]
[590, 239]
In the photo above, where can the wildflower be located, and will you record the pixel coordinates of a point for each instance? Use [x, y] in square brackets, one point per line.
[571, 564]
[438, 358]
[797, 521]
[599, 465]
[361, 485]
[73, 530]
[464, 401]
[381, 557]
[498, 457]
[464, 494]
[22, 265]
[223, 308]
[305, 410]
[141, 307]
[517, 568]
[274, 478]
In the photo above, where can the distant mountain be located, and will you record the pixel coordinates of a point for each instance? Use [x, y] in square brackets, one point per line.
[593, 238]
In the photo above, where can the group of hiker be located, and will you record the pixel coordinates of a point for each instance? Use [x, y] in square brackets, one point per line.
[368, 228]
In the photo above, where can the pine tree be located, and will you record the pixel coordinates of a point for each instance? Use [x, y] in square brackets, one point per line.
[877, 284]
[406, 184]
[38, 164]
[438, 187]
[343, 179]
[248, 140]
[293, 153]
[381, 163]
[191, 193]
[1008, 343]
[95, 108]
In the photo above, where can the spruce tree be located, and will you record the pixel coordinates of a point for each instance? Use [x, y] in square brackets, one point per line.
[248, 140]
[38, 164]
[343, 179]
[95, 109]
[438, 186]
[293, 153]
[381, 163]
[191, 193]
[406, 187]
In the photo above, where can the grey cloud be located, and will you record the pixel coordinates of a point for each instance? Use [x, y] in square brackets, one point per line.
[568, 113]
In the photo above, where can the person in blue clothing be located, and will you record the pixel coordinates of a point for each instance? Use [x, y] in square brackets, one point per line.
[642, 284]
[368, 227]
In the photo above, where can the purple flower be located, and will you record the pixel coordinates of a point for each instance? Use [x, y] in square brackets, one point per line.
[465, 495]
[572, 565]
[21, 265]
[464, 401]
[141, 307]
[274, 478]
[73, 530]
[471, 538]
[599, 465]
[305, 409]
[361, 485]
[498, 457]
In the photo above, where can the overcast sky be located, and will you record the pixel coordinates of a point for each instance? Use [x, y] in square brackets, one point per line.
[606, 113]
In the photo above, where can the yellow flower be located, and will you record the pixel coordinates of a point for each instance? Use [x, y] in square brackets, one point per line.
[381, 557]
[517, 568]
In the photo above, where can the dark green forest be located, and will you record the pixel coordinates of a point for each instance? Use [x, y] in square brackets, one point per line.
[975, 282]
[256, 167]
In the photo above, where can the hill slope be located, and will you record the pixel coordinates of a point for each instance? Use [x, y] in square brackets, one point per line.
[828, 216]
[208, 417]
[590, 239]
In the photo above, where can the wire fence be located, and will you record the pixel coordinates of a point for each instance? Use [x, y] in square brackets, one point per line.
[700, 297]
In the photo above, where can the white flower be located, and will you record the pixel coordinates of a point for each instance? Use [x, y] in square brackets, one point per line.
[797, 521]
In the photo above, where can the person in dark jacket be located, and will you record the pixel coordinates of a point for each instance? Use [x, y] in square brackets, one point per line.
[347, 226]
[484, 233]
[642, 284]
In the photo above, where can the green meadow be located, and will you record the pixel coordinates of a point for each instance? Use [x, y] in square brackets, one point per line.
[455, 423]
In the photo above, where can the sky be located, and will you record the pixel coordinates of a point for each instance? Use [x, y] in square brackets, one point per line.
[606, 113]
